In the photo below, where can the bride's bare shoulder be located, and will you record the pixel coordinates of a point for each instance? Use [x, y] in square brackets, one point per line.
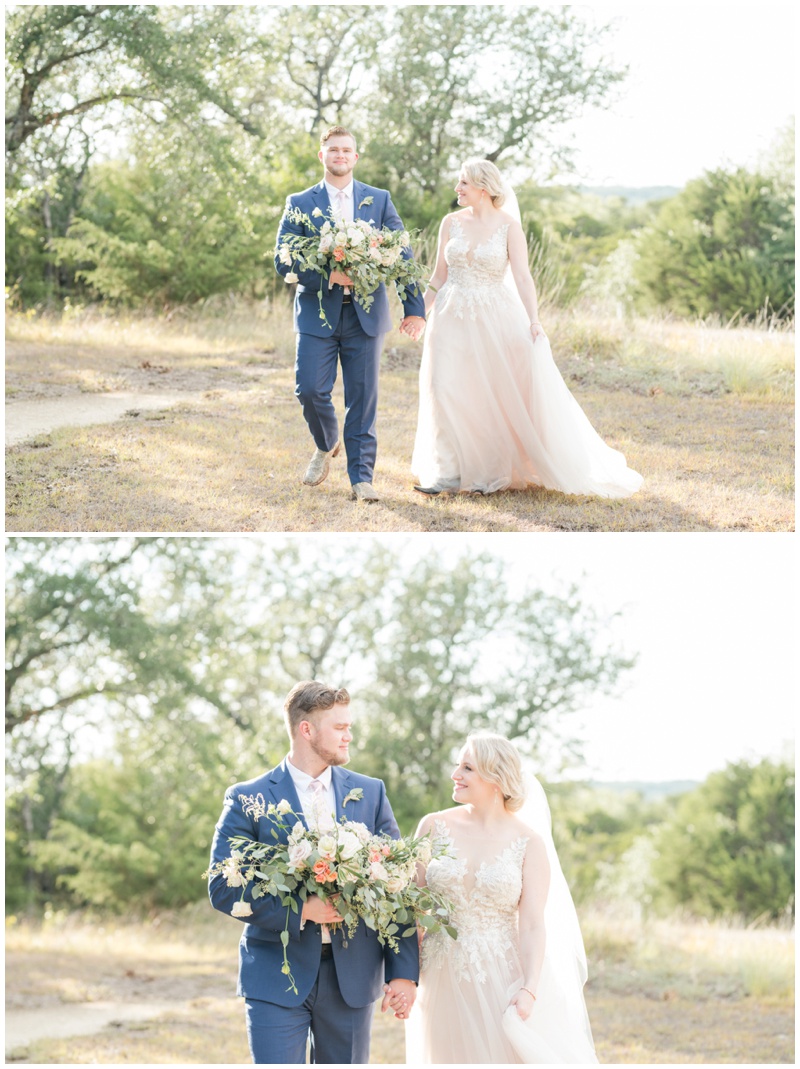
[441, 816]
[526, 830]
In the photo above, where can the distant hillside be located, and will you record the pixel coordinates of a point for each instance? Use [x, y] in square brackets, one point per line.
[648, 790]
[632, 194]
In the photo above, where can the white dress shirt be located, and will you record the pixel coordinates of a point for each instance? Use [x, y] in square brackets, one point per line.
[318, 814]
[302, 783]
[343, 206]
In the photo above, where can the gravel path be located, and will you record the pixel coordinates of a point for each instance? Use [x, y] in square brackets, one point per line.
[77, 1019]
[27, 419]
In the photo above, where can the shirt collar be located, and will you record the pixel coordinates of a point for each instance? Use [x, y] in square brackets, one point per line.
[301, 779]
[333, 191]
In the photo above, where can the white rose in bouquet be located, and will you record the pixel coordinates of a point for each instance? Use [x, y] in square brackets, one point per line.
[349, 845]
[299, 853]
[327, 847]
[396, 883]
[377, 871]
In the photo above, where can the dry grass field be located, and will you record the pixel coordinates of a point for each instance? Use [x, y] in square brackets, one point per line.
[667, 992]
[704, 413]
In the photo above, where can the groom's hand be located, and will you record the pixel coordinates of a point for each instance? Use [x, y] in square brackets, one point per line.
[413, 326]
[399, 996]
[319, 911]
[339, 278]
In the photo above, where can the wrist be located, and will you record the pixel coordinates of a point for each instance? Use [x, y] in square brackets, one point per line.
[529, 992]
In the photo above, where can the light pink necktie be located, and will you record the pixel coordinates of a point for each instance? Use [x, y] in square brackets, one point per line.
[321, 816]
[320, 820]
[343, 206]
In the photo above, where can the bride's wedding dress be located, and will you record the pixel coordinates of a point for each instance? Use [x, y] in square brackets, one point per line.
[462, 1011]
[494, 411]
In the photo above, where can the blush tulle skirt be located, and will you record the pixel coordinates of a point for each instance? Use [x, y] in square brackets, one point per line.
[495, 413]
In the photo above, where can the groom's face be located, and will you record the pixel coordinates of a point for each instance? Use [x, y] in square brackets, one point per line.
[338, 155]
[330, 735]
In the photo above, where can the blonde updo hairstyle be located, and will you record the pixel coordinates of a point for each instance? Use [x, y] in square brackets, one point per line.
[484, 175]
[497, 761]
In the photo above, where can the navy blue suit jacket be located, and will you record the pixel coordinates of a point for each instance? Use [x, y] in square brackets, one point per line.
[381, 212]
[363, 964]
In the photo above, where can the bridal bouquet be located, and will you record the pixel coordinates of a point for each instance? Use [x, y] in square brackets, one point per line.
[369, 878]
[368, 255]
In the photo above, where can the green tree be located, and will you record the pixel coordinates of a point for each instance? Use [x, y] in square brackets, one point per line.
[179, 652]
[723, 246]
[456, 650]
[729, 850]
[173, 227]
[484, 81]
[79, 77]
[326, 55]
[69, 60]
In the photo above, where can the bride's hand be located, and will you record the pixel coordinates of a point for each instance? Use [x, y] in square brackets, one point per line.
[537, 330]
[524, 1002]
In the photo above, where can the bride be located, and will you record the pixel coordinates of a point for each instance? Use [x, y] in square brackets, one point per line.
[494, 411]
[509, 989]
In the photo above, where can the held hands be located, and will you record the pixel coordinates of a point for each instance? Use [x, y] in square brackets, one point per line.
[413, 326]
[524, 1002]
[537, 330]
[320, 912]
[399, 996]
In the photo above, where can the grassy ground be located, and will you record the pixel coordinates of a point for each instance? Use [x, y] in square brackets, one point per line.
[705, 414]
[666, 992]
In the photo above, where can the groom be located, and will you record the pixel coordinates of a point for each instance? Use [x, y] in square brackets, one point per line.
[355, 336]
[337, 980]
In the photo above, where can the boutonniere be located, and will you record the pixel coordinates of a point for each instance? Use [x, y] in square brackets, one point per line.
[366, 200]
[354, 796]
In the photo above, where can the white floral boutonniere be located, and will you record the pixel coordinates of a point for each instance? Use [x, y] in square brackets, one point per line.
[317, 211]
[354, 796]
[366, 200]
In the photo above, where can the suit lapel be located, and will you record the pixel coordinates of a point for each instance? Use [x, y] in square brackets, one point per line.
[366, 210]
[281, 785]
[321, 201]
[340, 781]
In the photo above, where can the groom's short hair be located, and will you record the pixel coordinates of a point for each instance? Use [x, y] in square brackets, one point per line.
[311, 697]
[336, 131]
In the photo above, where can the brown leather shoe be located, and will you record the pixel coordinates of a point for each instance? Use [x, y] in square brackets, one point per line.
[320, 465]
[365, 492]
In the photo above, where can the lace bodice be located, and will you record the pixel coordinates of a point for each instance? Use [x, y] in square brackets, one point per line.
[474, 275]
[485, 905]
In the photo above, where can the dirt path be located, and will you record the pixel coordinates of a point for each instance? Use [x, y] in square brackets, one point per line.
[75, 1019]
[27, 419]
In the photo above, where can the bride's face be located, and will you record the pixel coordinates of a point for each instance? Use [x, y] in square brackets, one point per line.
[467, 193]
[468, 787]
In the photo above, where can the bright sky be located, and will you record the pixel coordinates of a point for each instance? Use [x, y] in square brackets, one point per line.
[714, 620]
[709, 85]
